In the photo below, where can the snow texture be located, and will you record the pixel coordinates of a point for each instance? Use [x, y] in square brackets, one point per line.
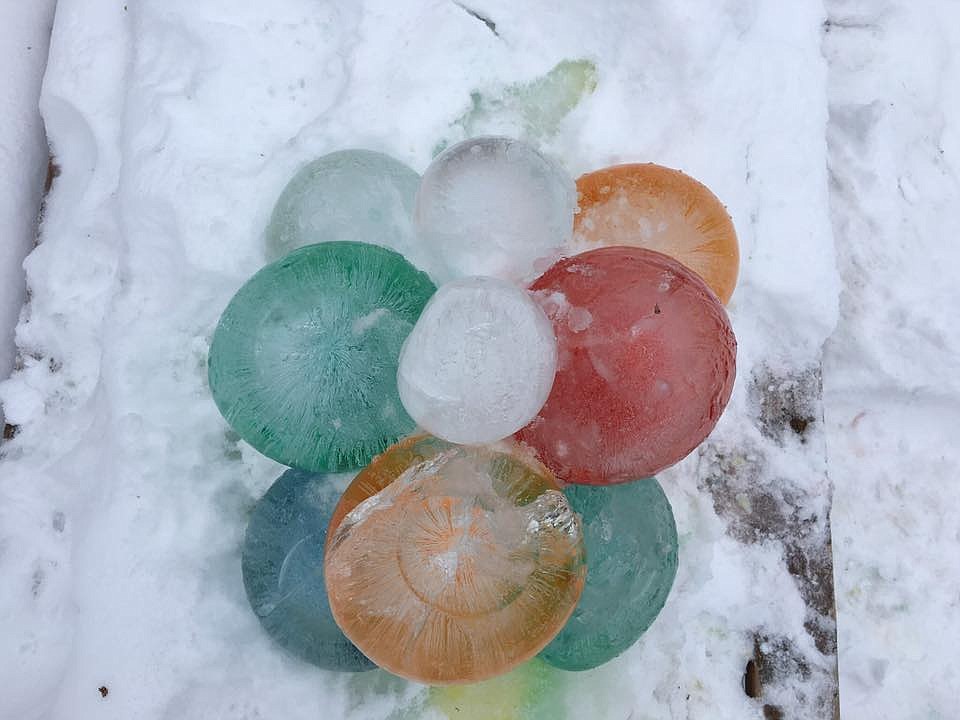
[479, 363]
[892, 368]
[177, 124]
[24, 35]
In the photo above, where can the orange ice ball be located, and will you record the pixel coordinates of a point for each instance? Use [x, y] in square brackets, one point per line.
[654, 207]
[452, 564]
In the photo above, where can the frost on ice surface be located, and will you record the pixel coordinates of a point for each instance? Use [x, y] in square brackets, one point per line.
[303, 362]
[493, 206]
[355, 195]
[283, 570]
[472, 560]
[479, 363]
[631, 542]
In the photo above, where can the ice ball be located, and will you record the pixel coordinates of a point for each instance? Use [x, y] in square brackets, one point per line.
[479, 363]
[631, 541]
[493, 206]
[357, 195]
[450, 563]
[651, 206]
[646, 364]
[283, 570]
[303, 364]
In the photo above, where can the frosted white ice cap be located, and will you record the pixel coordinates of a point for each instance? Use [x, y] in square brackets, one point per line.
[479, 363]
[493, 206]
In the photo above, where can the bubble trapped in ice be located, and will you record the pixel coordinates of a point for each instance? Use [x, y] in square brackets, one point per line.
[479, 363]
[493, 206]
[283, 570]
[357, 195]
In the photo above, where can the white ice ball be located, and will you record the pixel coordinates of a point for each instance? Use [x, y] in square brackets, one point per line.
[479, 363]
[494, 206]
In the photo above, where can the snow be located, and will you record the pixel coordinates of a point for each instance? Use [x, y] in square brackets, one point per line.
[24, 36]
[177, 124]
[892, 368]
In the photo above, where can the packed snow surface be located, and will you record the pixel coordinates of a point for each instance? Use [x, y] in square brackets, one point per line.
[350, 194]
[829, 132]
[24, 35]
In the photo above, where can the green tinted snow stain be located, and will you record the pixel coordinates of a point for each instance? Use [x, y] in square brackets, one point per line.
[533, 691]
[303, 364]
[631, 542]
[532, 109]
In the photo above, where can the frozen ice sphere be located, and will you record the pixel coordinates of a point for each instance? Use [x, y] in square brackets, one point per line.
[654, 207]
[631, 542]
[357, 195]
[479, 363]
[493, 206]
[646, 363]
[303, 364]
[283, 570]
[451, 563]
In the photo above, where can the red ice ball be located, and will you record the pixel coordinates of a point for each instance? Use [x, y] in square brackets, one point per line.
[646, 364]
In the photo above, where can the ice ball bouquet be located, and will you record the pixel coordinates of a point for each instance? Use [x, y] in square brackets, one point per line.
[506, 359]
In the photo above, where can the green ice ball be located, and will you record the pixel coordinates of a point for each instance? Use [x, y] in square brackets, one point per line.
[357, 195]
[303, 364]
[631, 542]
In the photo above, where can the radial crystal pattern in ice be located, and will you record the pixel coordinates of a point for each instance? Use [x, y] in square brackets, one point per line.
[357, 195]
[479, 363]
[631, 541]
[493, 206]
[451, 564]
[303, 364]
[651, 206]
[283, 570]
[646, 363]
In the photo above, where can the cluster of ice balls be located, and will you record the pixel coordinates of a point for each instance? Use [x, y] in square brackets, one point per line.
[612, 365]
[480, 362]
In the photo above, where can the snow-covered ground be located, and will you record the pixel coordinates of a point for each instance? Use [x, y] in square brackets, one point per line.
[830, 134]
[24, 36]
[892, 367]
